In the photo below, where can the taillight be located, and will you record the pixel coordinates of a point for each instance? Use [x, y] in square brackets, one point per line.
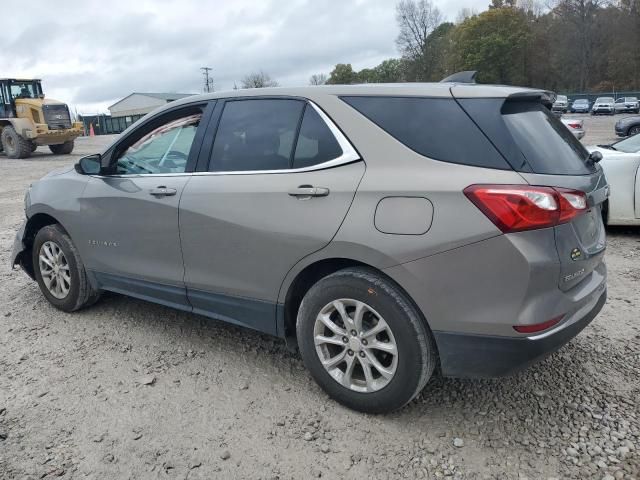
[515, 208]
[574, 125]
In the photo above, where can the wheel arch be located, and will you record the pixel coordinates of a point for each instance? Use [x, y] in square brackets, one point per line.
[309, 276]
[35, 223]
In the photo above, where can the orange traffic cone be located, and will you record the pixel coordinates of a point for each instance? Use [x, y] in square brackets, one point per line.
[91, 132]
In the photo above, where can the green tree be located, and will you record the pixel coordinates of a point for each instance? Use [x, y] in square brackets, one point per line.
[390, 71]
[342, 74]
[494, 43]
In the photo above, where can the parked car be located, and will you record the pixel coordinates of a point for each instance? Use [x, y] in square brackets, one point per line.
[627, 104]
[627, 126]
[561, 104]
[603, 105]
[384, 229]
[621, 165]
[580, 105]
[575, 126]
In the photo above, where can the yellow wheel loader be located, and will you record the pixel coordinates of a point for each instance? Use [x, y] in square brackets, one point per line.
[28, 120]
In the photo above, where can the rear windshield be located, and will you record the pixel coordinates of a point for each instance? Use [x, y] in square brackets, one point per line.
[547, 145]
[437, 128]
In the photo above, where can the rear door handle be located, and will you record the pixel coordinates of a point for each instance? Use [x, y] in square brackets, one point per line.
[306, 191]
[162, 191]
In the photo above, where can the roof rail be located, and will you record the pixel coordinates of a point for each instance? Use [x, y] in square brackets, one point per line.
[468, 76]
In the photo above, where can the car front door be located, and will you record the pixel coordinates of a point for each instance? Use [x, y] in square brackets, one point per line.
[130, 213]
[280, 180]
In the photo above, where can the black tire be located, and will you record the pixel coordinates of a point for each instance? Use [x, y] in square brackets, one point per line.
[33, 147]
[13, 144]
[80, 294]
[63, 148]
[416, 348]
[633, 130]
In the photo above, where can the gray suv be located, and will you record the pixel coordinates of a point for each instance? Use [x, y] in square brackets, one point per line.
[386, 230]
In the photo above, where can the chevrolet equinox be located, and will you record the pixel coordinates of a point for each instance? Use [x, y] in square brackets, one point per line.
[385, 229]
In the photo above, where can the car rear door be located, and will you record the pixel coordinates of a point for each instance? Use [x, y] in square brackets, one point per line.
[276, 186]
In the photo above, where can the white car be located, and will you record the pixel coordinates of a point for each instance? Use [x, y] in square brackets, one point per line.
[627, 104]
[575, 126]
[603, 105]
[621, 165]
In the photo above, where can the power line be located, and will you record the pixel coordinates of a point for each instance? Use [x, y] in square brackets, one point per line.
[208, 81]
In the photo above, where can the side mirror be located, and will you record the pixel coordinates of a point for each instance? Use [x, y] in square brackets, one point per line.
[595, 156]
[91, 165]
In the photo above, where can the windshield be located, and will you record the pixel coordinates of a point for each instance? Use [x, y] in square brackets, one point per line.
[604, 100]
[628, 145]
[561, 98]
[23, 90]
[581, 101]
[630, 99]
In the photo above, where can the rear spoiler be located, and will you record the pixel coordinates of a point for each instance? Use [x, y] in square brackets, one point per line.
[546, 97]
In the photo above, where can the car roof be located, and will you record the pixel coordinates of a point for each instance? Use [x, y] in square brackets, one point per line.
[445, 90]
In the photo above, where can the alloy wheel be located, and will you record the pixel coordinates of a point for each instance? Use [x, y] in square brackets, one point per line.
[54, 270]
[355, 345]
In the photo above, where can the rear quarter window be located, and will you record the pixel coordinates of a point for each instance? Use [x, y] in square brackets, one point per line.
[530, 137]
[434, 127]
[547, 145]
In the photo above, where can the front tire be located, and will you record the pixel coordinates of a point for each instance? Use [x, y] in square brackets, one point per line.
[364, 341]
[63, 148]
[633, 131]
[60, 272]
[13, 144]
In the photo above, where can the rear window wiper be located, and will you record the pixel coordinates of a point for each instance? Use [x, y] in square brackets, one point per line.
[608, 147]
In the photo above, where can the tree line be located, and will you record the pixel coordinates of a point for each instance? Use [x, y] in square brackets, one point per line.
[565, 46]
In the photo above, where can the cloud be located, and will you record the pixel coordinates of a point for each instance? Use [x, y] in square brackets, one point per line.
[90, 53]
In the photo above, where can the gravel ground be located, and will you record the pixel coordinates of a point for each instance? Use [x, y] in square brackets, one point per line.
[131, 390]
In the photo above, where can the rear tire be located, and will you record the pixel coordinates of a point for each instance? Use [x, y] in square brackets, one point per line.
[388, 360]
[63, 148]
[13, 144]
[60, 272]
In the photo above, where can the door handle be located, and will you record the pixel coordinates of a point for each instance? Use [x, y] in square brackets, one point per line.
[307, 191]
[162, 191]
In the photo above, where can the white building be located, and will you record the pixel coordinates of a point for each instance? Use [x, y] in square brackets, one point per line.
[138, 104]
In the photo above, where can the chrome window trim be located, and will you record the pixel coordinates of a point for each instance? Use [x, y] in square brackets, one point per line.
[349, 155]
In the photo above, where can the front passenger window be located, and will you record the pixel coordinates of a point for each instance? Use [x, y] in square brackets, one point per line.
[163, 150]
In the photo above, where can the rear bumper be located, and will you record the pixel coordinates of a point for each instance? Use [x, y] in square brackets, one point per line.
[480, 356]
[579, 134]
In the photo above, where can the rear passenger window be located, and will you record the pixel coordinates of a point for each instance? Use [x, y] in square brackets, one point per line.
[316, 144]
[256, 135]
[434, 127]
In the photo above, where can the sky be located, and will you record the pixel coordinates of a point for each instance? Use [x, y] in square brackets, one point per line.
[92, 53]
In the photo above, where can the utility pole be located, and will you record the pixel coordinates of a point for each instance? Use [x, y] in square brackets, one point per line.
[208, 81]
